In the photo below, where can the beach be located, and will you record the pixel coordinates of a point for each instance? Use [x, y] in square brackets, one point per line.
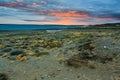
[67, 54]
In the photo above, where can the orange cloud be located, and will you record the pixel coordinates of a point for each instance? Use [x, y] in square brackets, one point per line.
[60, 13]
[61, 21]
[64, 22]
[67, 22]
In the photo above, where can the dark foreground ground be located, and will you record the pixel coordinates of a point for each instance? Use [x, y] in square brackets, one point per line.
[84, 54]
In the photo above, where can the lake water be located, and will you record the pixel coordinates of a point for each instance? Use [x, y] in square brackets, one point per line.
[33, 27]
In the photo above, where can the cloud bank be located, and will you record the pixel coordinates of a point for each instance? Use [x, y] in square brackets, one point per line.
[63, 12]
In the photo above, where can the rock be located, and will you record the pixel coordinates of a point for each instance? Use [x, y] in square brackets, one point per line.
[6, 56]
[31, 53]
[7, 49]
[3, 76]
[105, 47]
[11, 62]
[17, 52]
[21, 58]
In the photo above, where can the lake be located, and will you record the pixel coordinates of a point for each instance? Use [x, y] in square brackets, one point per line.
[33, 27]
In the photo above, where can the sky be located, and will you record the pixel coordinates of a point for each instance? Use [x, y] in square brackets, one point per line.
[59, 12]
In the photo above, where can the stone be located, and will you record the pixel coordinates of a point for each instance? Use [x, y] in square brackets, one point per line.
[105, 47]
[58, 69]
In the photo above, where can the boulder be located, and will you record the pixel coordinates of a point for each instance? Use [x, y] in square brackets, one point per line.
[17, 52]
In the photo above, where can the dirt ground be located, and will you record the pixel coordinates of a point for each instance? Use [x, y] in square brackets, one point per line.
[64, 55]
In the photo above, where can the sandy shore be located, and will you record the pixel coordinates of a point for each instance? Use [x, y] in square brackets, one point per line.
[91, 54]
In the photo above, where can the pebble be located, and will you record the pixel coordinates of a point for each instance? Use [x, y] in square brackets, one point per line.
[58, 69]
[105, 47]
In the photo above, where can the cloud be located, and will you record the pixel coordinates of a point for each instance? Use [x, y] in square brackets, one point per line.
[61, 11]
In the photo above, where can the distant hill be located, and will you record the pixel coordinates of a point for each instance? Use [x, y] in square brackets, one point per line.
[105, 26]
